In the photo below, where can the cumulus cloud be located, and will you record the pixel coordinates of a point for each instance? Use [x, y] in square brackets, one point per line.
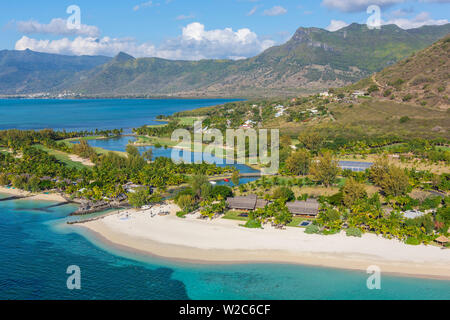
[336, 25]
[418, 21]
[275, 11]
[194, 43]
[357, 5]
[56, 26]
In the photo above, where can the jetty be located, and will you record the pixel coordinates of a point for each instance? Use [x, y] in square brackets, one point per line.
[14, 198]
[92, 219]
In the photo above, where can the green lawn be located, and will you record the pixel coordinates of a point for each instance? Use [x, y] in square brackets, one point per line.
[234, 215]
[84, 138]
[188, 121]
[61, 156]
[296, 221]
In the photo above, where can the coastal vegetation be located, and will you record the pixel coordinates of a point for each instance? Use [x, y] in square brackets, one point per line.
[37, 161]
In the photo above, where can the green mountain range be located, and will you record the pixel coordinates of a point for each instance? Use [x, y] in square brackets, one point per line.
[311, 60]
[32, 72]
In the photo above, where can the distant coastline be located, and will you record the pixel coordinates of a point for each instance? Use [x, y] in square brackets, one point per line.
[25, 97]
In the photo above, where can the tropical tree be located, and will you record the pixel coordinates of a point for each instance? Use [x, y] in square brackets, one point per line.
[352, 191]
[325, 169]
[139, 197]
[284, 194]
[235, 177]
[311, 140]
[298, 163]
[196, 182]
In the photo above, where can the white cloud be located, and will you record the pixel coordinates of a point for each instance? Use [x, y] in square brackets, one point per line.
[86, 46]
[194, 43]
[252, 11]
[57, 26]
[275, 11]
[336, 25]
[145, 5]
[418, 21]
[357, 5]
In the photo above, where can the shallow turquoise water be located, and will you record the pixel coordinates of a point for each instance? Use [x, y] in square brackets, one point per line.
[37, 247]
[76, 115]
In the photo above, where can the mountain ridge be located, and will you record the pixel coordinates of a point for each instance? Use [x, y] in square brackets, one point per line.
[313, 59]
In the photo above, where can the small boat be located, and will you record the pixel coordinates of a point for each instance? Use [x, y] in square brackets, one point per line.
[226, 180]
[213, 183]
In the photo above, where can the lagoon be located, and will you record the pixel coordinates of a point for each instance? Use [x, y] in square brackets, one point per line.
[120, 144]
[37, 247]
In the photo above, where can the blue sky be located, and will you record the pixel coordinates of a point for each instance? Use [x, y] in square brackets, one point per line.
[192, 29]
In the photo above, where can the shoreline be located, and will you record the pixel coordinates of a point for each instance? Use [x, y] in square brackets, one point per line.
[186, 240]
[32, 196]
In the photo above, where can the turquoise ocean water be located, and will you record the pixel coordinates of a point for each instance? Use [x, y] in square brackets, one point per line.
[37, 246]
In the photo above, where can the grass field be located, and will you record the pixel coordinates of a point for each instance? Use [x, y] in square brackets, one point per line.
[61, 156]
[234, 215]
[296, 221]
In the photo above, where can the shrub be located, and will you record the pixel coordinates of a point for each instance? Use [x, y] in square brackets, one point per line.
[336, 199]
[407, 97]
[404, 119]
[283, 193]
[312, 229]
[186, 202]
[330, 232]
[253, 224]
[223, 191]
[353, 232]
[181, 214]
[372, 88]
[412, 241]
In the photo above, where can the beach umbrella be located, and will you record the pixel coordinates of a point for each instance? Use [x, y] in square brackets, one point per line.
[442, 239]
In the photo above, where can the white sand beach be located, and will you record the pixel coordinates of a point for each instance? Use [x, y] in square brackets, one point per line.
[33, 196]
[224, 241]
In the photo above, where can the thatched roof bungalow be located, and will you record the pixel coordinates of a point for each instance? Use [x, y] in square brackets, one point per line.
[309, 207]
[249, 203]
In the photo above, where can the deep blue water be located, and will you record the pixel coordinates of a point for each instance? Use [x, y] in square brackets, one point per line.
[76, 115]
[37, 247]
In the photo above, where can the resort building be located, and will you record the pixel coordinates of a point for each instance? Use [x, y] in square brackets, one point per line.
[356, 94]
[247, 203]
[248, 124]
[308, 208]
[412, 214]
[355, 166]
